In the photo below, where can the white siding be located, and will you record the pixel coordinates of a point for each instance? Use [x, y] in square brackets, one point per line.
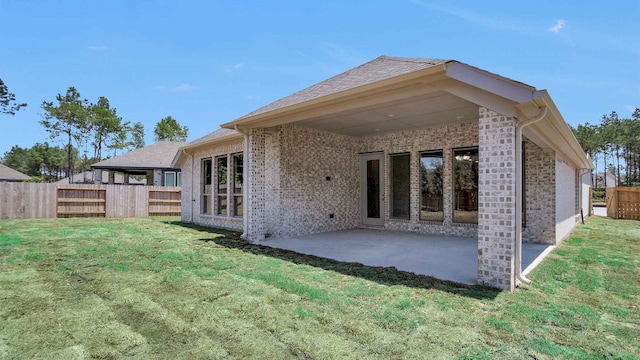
[585, 184]
[565, 198]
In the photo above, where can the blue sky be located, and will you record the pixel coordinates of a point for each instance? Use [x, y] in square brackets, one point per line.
[209, 62]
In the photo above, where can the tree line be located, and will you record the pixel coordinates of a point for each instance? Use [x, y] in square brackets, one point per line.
[615, 144]
[80, 125]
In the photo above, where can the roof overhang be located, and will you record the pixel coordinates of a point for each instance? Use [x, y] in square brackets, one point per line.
[553, 131]
[467, 83]
[188, 149]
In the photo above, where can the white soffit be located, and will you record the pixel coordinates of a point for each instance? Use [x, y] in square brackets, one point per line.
[428, 109]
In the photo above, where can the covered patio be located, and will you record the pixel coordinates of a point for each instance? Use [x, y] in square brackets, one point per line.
[441, 256]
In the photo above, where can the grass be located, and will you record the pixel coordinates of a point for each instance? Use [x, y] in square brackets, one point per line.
[155, 288]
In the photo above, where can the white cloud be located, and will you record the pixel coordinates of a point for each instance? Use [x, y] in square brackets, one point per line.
[98, 48]
[235, 67]
[183, 87]
[558, 26]
[471, 16]
[180, 88]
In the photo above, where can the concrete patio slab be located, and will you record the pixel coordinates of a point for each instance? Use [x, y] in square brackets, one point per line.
[444, 257]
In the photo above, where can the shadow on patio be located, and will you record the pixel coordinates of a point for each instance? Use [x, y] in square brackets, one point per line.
[385, 275]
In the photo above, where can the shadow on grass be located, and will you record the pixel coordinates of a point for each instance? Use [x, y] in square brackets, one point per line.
[380, 274]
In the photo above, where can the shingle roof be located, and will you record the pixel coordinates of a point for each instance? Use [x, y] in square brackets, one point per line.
[381, 68]
[156, 156]
[9, 174]
[218, 134]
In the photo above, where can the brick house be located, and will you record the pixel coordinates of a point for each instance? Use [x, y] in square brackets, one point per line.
[420, 145]
[150, 164]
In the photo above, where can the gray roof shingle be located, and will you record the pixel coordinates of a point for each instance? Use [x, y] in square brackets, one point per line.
[218, 134]
[9, 174]
[156, 156]
[381, 68]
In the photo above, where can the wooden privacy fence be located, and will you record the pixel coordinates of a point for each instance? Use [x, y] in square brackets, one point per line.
[623, 203]
[32, 200]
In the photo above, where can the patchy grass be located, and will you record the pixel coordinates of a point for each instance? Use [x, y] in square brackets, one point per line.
[155, 288]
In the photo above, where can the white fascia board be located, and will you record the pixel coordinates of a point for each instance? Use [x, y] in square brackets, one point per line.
[478, 96]
[176, 159]
[574, 150]
[553, 132]
[501, 86]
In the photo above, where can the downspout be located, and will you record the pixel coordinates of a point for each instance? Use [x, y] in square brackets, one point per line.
[192, 172]
[245, 157]
[519, 187]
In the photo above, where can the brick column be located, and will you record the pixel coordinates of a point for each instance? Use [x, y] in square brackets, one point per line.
[496, 195]
[255, 207]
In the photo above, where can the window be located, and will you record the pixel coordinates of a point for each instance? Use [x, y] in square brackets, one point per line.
[237, 185]
[170, 178]
[400, 185]
[465, 185]
[221, 186]
[206, 186]
[431, 186]
[179, 181]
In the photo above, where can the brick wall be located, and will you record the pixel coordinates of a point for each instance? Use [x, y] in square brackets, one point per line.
[299, 199]
[307, 198]
[192, 187]
[255, 209]
[540, 193]
[415, 141]
[496, 195]
[272, 184]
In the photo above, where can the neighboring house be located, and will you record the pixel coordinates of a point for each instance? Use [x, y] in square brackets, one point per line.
[153, 162]
[87, 177]
[422, 145]
[602, 183]
[8, 174]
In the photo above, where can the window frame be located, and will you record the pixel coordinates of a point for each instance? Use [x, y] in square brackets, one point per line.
[436, 153]
[175, 178]
[234, 194]
[391, 186]
[206, 196]
[222, 198]
[453, 183]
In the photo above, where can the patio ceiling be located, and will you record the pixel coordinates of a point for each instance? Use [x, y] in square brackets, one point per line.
[427, 109]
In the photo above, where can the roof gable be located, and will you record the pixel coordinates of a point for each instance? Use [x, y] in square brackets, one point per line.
[9, 174]
[381, 68]
[216, 135]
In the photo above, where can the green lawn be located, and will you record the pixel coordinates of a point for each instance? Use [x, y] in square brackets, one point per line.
[153, 288]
